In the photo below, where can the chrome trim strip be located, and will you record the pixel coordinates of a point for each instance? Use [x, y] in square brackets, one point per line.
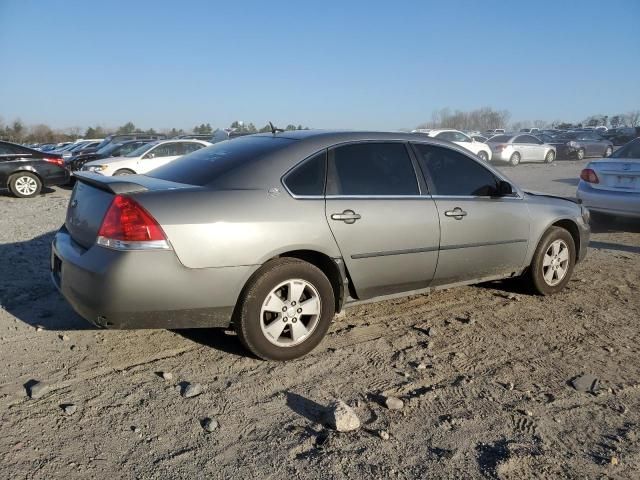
[375, 197]
[141, 245]
[482, 244]
[358, 256]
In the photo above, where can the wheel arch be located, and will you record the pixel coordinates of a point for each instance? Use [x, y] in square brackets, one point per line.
[24, 169]
[565, 223]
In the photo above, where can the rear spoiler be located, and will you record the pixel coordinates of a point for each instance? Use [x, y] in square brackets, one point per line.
[117, 185]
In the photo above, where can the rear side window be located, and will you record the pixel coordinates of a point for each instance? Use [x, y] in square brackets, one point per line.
[308, 178]
[377, 169]
[455, 174]
[209, 164]
[500, 138]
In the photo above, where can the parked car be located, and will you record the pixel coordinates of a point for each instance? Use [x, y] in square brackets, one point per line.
[76, 162]
[611, 186]
[492, 132]
[280, 231]
[144, 158]
[621, 135]
[125, 137]
[80, 147]
[582, 144]
[226, 134]
[516, 148]
[532, 131]
[196, 136]
[24, 171]
[459, 138]
[480, 138]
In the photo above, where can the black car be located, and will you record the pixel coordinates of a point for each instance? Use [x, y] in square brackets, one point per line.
[125, 137]
[581, 144]
[76, 162]
[25, 171]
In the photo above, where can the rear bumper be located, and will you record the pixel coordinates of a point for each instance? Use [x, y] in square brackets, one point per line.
[618, 203]
[143, 289]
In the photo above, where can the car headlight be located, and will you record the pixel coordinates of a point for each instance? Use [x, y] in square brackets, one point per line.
[572, 144]
[95, 168]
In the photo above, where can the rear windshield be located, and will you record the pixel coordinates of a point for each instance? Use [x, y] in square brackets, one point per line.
[205, 165]
[630, 150]
[500, 138]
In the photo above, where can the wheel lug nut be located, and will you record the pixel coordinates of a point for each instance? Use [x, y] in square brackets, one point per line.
[285, 319]
[293, 304]
[284, 309]
[294, 319]
[299, 310]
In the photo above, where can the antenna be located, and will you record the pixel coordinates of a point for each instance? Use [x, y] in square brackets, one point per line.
[275, 130]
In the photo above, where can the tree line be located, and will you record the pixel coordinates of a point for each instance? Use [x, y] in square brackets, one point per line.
[18, 132]
[487, 118]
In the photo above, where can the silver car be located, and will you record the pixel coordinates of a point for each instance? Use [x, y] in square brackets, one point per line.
[516, 148]
[275, 233]
[611, 186]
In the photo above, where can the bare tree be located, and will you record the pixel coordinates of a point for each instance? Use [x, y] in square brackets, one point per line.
[633, 118]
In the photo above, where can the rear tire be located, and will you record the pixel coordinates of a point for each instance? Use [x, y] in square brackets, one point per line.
[515, 159]
[553, 261]
[580, 154]
[483, 156]
[123, 171]
[608, 152]
[549, 157]
[25, 185]
[269, 316]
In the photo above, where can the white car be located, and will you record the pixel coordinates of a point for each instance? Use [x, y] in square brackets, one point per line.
[456, 136]
[145, 158]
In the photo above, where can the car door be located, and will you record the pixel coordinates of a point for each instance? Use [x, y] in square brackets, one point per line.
[385, 224]
[521, 145]
[537, 149]
[481, 234]
[158, 156]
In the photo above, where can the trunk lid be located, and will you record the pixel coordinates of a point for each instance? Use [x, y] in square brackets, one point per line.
[619, 175]
[93, 195]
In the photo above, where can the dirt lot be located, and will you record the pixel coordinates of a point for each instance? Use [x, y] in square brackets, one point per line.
[485, 374]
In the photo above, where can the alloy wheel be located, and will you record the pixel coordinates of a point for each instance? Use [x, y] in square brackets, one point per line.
[290, 313]
[555, 263]
[26, 186]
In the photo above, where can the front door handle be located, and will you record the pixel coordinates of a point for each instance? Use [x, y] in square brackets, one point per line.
[456, 213]
[348, 216]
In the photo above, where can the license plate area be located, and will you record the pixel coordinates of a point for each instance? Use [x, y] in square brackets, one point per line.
[625, 181]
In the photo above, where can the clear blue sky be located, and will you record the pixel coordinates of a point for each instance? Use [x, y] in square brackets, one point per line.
[328, 64]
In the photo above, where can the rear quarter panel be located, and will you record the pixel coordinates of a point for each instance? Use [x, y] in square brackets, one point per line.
[220, 228]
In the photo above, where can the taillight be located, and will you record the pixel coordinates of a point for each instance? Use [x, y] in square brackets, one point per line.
[500, 146]
[588, 175]
[128, 226]
[56, 161]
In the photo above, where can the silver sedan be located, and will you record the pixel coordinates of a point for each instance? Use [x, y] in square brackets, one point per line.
[611, 186]
[516, 148]
[274, 233]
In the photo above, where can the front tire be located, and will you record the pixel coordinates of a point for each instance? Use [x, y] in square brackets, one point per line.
[553, 262]
[515, 159]
[483, 156]
[25, 185]
[580, 154]
[123, 171]
[608, 152]
[285, 310]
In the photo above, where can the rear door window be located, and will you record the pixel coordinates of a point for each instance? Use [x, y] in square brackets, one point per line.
[371, 169]
[307, 179]
[455, 174]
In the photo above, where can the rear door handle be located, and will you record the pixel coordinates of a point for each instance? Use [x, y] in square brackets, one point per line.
[348, 216]
[456, 213]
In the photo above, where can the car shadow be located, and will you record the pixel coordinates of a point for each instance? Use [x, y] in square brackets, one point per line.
[26, 290]
[218, 338]
[614, 246]
[614, 224]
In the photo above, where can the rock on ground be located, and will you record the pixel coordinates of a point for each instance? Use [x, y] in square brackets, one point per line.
[341, 417]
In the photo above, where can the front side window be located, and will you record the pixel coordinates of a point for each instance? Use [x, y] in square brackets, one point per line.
[460, 137]
[455, 174]
[307, 179]
[376, 169]
[188, 147]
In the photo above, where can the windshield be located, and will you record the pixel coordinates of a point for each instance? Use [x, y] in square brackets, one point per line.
[138, 152]
[630, 150]
[208, 164]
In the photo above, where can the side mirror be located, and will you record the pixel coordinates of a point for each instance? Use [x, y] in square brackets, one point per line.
[504, 188]
[150, 155]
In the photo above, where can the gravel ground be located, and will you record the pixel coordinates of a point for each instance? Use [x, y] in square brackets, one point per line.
[484, 374]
